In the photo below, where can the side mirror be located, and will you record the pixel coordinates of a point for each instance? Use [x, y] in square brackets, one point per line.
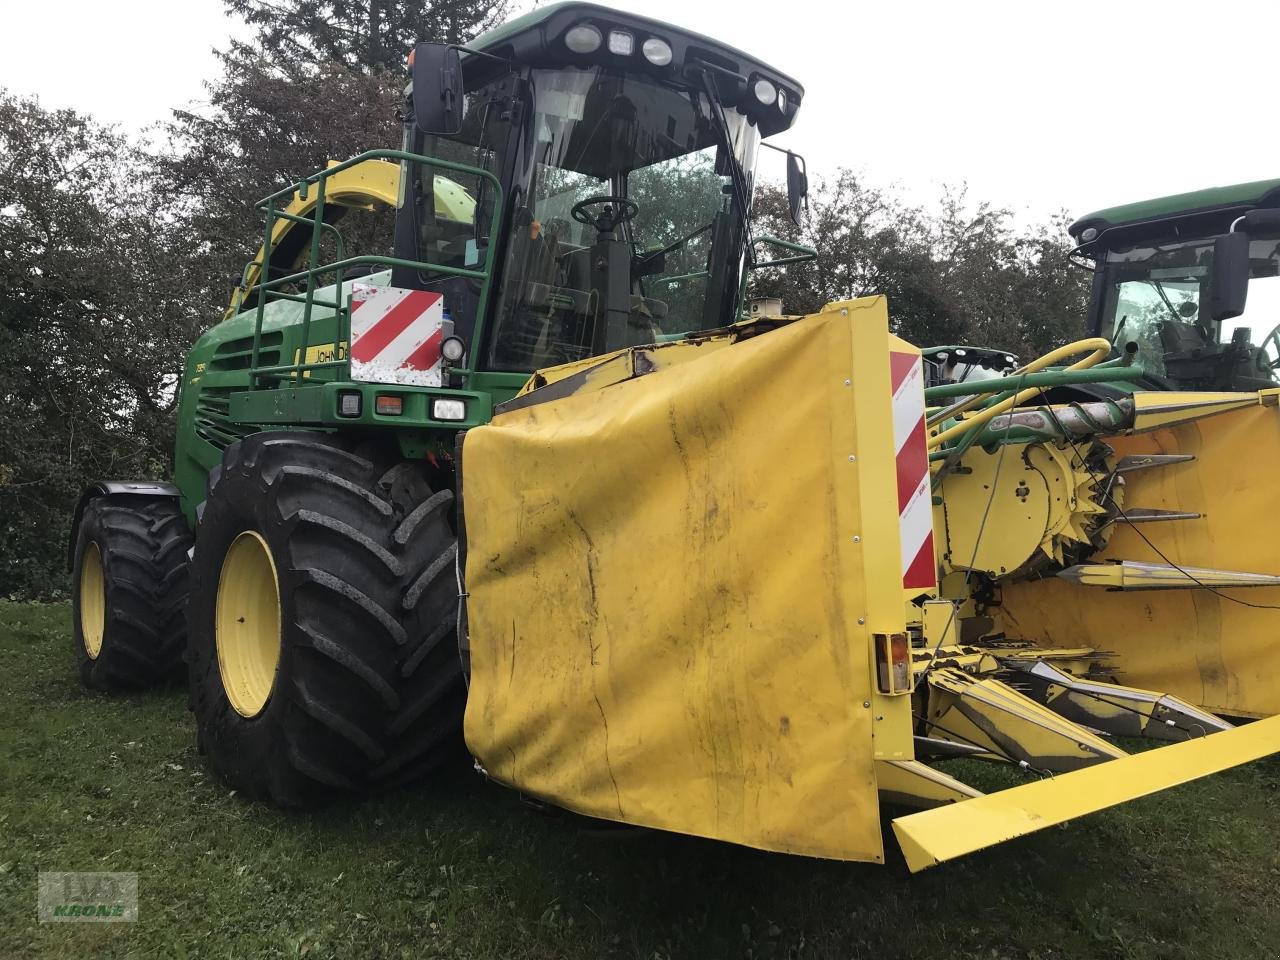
[437, 88]
[797, 186]
[1230, 277]
[1231, 261]
[1264, 220]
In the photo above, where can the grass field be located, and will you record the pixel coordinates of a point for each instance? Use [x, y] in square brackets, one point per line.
[462, 868]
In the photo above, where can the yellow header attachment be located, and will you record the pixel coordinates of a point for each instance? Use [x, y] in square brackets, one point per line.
[675, 567]
[685, 571]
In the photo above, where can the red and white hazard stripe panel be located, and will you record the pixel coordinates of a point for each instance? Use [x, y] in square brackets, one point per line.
[915, 497]
[396, 335]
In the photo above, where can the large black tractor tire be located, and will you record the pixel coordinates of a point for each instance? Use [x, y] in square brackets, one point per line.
[129, 592]
[323, 615]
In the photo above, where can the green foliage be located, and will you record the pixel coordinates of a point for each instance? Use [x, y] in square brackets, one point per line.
[362, 34]
[958, 273]
[460, 867]
[96, 310]
[322, 80]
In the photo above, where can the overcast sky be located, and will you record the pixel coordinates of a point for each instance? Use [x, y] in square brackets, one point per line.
[1037, 106]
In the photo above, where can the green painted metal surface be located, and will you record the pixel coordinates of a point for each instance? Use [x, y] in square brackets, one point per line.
[1046, 378]
[283, 361]
[1213, 198]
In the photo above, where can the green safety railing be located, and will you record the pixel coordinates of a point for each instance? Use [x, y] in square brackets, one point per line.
[799, 254]
[269, 289]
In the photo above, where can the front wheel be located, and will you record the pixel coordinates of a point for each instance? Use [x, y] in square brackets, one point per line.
[323, 610]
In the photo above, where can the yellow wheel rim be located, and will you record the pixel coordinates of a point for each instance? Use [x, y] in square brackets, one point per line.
[93, 600]
[247, 623]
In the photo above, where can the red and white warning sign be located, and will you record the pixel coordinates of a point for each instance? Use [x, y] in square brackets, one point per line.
[915, 496]
[396, 335]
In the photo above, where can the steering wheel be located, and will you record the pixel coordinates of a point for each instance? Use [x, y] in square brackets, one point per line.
[1263, 360]
[621, 210]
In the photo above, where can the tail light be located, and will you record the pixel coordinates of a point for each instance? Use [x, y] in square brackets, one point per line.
[893, 662]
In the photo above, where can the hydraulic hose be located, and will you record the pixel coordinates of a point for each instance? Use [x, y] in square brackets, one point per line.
[1098, 347]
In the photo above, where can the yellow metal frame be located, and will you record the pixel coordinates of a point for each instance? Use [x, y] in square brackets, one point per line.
[945, 833]
[247, 623]
[93, 600]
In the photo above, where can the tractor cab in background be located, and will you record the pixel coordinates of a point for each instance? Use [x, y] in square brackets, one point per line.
[1194, 281]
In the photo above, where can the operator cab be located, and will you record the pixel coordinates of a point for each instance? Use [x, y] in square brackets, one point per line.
[1158, 282]
[611, 160]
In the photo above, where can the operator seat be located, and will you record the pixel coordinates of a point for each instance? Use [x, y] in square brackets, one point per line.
[646, 313]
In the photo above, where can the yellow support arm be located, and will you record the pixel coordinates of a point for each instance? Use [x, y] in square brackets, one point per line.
[942, 834]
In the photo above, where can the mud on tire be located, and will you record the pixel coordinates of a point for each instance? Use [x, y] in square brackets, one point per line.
[368, 687]
[129, 618]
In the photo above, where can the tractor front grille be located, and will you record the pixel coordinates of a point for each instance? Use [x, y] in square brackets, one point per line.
[213, 422]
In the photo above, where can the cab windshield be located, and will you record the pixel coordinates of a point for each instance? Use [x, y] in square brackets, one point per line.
[1158, 296]
[622, 226]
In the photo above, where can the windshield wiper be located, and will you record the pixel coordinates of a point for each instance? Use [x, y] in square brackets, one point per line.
[1178, 318]
[726, 141]
[1115, 337]
[674, 245]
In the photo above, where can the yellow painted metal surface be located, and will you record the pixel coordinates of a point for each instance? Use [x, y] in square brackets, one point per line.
[93, 600]
[247, 623]
[984, 712]
[1011, 528]
[935, 836]
[594, 373]
[670, 613]
[1158, 408]
[1208, 648]
[911, 783]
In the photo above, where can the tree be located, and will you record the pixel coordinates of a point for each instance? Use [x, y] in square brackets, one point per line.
[321, 81]
[957, 274]
[368, 35]
[95, 313]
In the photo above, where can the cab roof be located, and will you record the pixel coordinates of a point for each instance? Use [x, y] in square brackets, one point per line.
[537, 39]
[1219, 201]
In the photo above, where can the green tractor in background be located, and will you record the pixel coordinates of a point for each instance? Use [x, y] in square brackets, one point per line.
[577, 181]
[1194, 281]
[1187, 285]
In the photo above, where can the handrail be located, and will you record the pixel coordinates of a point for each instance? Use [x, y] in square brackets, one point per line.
[300, 187]
[802, 252]
[269, 288]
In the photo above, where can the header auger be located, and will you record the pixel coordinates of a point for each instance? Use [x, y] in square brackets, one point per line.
[537, 481]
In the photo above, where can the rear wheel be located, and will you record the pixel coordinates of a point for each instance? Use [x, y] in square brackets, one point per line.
[129, 591]
[323, 611]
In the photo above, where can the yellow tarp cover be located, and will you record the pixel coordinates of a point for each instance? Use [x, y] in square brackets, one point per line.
[664, 590]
